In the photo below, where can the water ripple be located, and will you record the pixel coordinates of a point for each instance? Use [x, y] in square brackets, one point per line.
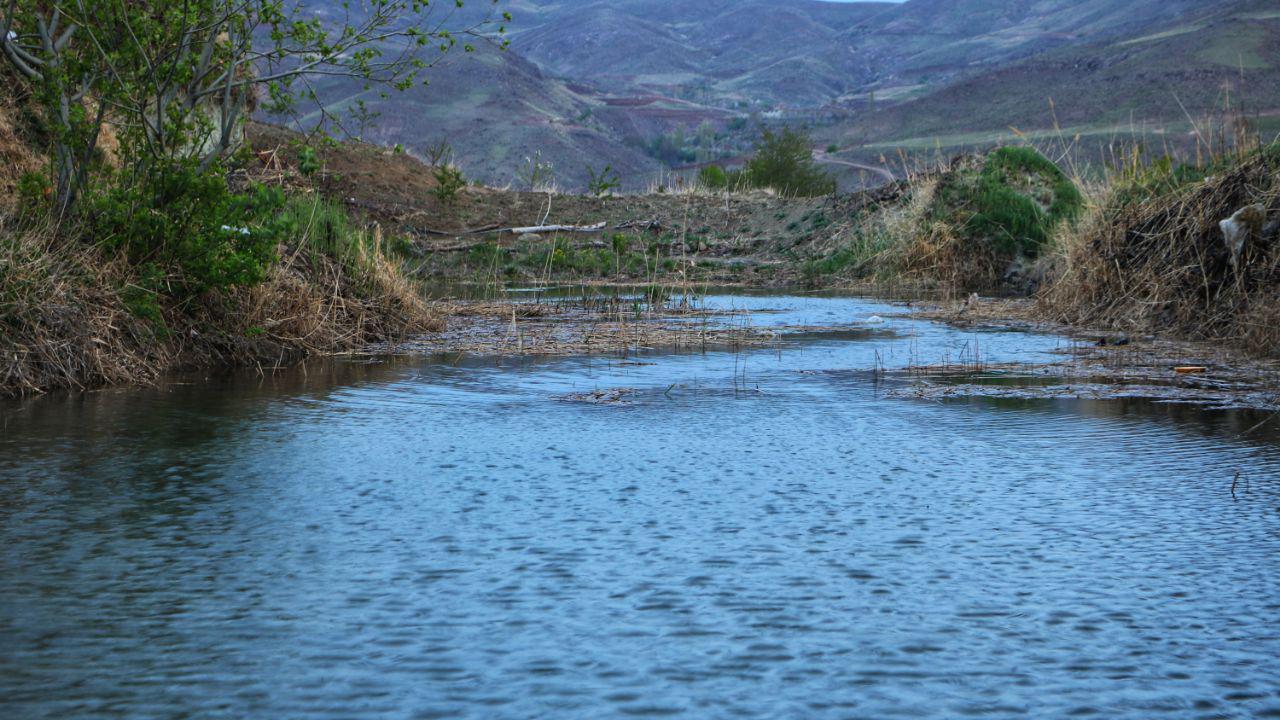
[422, 540]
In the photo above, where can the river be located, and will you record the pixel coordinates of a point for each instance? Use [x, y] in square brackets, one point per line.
[743, 534]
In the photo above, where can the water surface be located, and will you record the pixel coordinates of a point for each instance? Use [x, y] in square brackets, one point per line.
[757, 534]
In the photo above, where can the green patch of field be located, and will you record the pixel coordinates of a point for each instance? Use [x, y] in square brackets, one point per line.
[895, 92]
[1173, 32]
[1243, 49]
[960, 141]
[1013, 203]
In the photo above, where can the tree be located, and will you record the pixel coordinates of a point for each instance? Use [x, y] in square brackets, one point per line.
[175, 77]
[784, 162]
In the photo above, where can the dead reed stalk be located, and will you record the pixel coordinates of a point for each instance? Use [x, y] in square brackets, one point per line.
[1160, 264]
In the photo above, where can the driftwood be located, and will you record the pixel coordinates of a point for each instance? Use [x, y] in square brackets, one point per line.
[535, 229]
[540, 229]
[457, 234]
[639, 225]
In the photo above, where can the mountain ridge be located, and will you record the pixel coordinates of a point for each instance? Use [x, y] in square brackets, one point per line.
[591, 83]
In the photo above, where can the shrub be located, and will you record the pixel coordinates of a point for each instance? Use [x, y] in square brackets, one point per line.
[190, 224]
[784, 162]
[34, 191]
[603, 183]
[712, 177]
[142, 299]
[308, 161]
[449, 180]
[536, 174]
[439, 153]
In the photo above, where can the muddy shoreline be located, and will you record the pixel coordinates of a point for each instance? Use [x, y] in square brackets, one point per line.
[1092, 365]
[1096, 365]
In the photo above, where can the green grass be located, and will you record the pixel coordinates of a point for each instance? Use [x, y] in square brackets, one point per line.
[323, 228]
[1242, 49]
[854, 258]
[1014, 202]
[1173, 32]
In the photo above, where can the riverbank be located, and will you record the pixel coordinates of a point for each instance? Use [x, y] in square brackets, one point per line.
[1095, 363]
[372, 233]
[77, 317]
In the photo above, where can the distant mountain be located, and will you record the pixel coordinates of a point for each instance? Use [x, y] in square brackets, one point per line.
[720, 47]
[1132, 71]
[588, 82]
[806, 52]
[497, 110]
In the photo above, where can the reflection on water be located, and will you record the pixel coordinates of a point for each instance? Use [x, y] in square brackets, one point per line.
[754, 535]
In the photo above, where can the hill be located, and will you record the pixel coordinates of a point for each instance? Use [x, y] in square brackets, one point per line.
[1159, 83]
[598, 83]
[496, 109]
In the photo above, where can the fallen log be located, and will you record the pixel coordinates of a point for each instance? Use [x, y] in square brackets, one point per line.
[541, 229]
[532, 230]
[459, 233]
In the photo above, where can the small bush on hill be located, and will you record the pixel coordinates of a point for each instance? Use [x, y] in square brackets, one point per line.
[784, 162]
[713, 177]
[1014, 202]
[449, 181]
[604, 182]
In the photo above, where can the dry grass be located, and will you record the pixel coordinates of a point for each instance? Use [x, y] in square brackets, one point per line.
[312, 304]
[930, 251]
[904, 240]
[67, 323]
[1162, 266]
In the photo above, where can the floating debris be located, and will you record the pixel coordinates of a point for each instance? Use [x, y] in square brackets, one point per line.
[615, 396]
